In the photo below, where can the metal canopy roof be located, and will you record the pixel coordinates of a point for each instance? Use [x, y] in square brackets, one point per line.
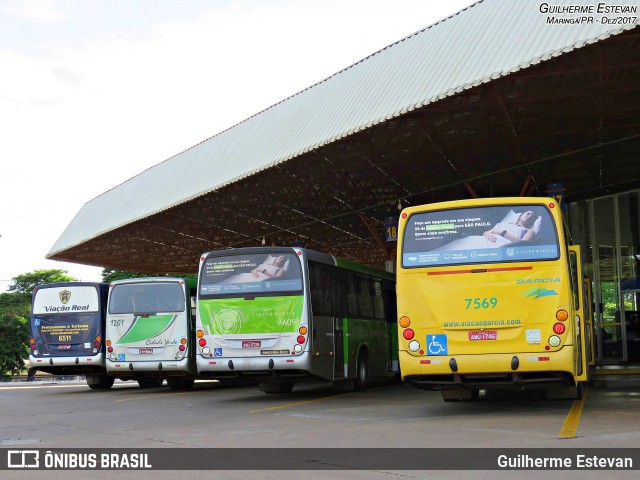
[491, 101]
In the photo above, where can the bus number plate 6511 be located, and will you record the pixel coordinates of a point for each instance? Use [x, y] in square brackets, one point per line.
[488, 335]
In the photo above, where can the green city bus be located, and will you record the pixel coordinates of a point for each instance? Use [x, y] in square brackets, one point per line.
[282, 315]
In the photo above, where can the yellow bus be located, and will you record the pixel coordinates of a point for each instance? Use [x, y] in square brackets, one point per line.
[490, 295]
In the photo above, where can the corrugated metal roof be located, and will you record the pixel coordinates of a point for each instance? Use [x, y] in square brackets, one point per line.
[488, 40]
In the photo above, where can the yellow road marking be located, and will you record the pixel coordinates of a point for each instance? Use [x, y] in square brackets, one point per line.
[570, 426]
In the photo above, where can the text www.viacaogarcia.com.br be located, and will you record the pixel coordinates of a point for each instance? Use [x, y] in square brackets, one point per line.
[481, 323]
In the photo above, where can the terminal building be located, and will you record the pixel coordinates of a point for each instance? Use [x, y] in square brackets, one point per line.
[503, 98]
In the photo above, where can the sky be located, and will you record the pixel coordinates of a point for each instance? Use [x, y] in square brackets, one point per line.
[93, 92]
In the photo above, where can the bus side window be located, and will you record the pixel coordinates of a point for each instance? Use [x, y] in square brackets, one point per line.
[365, 300]
[320, 289]
[378, 302]
[352, 296]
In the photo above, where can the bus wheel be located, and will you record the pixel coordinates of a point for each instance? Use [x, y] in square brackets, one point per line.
[273, 387]
[180, 383]
[104, 382]
[362, 372]
[150, 382]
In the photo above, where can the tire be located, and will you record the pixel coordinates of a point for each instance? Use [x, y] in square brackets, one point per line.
[362, 372]
[180, 383]
[105, 383]
[150, 382]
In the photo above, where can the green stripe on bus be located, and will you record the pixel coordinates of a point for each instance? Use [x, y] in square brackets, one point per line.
[146, 327]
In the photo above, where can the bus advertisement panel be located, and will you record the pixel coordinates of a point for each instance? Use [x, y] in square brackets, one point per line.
[482, 234]
[485, 296]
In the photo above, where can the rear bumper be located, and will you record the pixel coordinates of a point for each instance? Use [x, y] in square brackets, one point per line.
[68, 365]
[257, 368]
[483, 371]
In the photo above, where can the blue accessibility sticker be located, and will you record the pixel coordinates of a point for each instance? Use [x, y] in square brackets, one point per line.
[121, 357]
[437, 345]
[217, 352]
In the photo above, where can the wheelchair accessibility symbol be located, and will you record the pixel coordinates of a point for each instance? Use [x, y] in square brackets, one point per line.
[437, 345]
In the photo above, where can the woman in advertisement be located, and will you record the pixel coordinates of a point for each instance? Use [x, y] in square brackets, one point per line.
[524, 228]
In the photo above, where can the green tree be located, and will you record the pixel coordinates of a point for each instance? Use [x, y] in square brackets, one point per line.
[14, 338]
[109, 276]
[15, 311]
[26, 282]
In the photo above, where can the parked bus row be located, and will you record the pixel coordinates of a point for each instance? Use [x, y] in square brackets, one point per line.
[275, 316]
[490, 294]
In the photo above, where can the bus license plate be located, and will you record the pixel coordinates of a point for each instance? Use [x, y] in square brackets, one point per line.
[251, 344]
[145, 350]
[64, 347]
[489, 335]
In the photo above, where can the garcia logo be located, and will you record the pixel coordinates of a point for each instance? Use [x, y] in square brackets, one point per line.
[523, 281]
[537, 292]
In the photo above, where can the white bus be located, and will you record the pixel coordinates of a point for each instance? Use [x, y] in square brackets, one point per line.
[150, 331]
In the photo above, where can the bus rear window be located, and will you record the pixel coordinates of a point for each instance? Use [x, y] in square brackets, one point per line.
[151, 297]
[66, 299]
[251, 274]
[487, 234]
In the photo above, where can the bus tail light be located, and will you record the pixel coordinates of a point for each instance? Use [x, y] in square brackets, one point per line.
[32, 341]
[202, 342]
[414, 346]
[562, 315]
[200, 334]
[559, 328]
[110, 349]
[33, 346]
[404, 322]
[183, 341]
[96, 344]
[554, 341]
[301, 339]
[303, 330]
[408, 334]
[182, 348]
[108, 343]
